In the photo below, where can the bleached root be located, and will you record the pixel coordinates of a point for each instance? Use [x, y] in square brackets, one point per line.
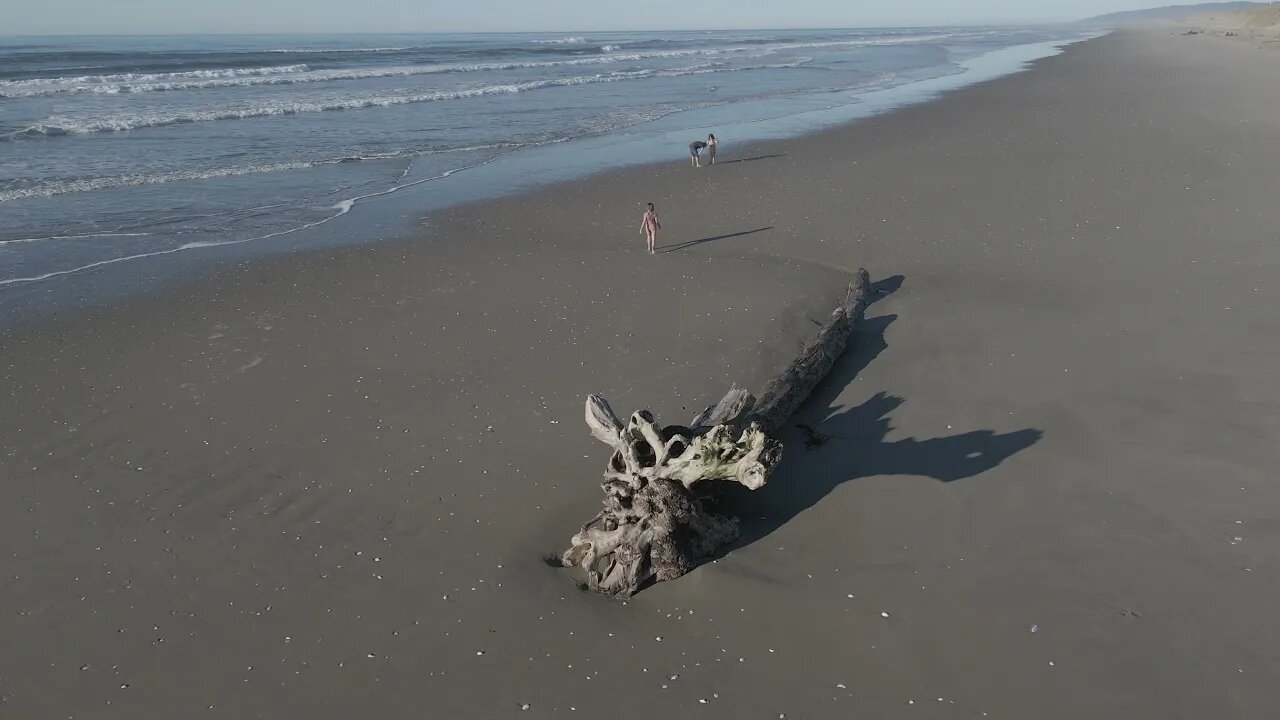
[654, 525]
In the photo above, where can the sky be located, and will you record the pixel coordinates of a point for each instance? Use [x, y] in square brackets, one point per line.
[38, 17]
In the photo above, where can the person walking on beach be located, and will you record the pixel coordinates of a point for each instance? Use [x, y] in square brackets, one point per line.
[711, 148]
[650, 227]
[695, 151]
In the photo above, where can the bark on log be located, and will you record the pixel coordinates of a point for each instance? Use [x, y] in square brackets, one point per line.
[655, 524]
[783, 394]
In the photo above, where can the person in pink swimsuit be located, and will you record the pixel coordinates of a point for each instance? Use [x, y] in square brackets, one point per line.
[650, 227]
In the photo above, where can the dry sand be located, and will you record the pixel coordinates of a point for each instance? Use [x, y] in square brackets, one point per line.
[321, 486]
[1261, 25]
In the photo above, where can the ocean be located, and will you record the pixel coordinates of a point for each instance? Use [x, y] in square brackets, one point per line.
[120, 154]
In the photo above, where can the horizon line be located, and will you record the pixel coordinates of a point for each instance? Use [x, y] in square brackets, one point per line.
[547, 32]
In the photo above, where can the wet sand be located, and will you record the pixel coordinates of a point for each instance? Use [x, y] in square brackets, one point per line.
[322, 486]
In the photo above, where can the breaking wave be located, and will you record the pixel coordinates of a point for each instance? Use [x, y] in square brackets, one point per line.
[120, 181]
[55, 126]
[81, 83]
[296, 74]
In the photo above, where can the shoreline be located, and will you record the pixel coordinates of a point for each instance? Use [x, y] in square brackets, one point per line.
[22, 301]
[323, 484]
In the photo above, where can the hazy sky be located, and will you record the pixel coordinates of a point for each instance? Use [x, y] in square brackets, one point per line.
[275, 16]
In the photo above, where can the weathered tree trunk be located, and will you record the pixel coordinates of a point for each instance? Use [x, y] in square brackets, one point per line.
[783, 394]
[654, 524]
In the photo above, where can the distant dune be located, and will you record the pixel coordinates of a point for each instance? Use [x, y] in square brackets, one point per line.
[1173, 13]
[1260, 23]
[1247, 20]
[1263, 20]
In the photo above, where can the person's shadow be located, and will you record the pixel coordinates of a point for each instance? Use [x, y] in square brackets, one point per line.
[750, 159]
[843, 445]
[690, 243]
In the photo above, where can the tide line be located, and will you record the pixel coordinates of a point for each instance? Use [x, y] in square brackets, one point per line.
[342, 208]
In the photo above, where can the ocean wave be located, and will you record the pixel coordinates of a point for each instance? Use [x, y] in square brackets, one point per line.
[562, 41]
[321, 51]
[340, 209]
[83, 236]
[115, 123]
[52, 189]
[630, 117]
[220, 73]
[52, 86]
[107, 183]
[57, 86]
[865, 42]
[297, 74]
[56, 126]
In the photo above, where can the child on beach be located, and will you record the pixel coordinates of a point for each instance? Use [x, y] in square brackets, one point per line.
[711, 148]
[650, 227]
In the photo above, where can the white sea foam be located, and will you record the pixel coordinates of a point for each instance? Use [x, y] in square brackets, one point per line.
[341, 208]
[54, 86]
[562, 41]
[135, 121]
[62, 125]
[52, 189]
[83, 236]
[294, 74]
[132, 121]
[325, 51]
[106, 183]
[183, 81]
[41, 86]
[871, 41]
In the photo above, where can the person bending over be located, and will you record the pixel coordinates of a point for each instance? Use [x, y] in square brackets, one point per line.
[695, 152]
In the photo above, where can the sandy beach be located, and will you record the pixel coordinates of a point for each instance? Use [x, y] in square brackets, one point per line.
[1260, 25]
[323, 485]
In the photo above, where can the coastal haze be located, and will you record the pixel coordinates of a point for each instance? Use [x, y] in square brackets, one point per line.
[157, 17]
[300, 445]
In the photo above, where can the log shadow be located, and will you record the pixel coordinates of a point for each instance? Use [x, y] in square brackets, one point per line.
[854, 446]
[691, 243]
[882, 288]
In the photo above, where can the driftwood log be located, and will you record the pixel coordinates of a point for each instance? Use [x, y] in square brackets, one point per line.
[655, 524]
